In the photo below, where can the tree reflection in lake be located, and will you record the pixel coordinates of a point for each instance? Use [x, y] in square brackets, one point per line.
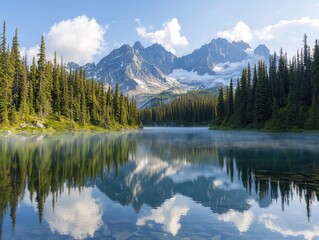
[46, 165]
[163, 174]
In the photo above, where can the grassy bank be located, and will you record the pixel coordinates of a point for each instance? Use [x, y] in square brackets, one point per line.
[54, 124]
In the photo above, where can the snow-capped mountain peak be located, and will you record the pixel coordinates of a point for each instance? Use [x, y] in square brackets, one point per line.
[153, 69]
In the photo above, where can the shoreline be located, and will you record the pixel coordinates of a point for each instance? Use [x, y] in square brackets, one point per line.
[264, 130]
[47, 126]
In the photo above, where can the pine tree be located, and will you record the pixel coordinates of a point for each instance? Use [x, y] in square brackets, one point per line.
[24, 106]
[56, 93]
[18, 72]
[306, 86]
[47, 88]
[109, 99]
[116, 102]
[6, 78]
[250, 98]
[243, 98]
[313, 121]
[32, 91]
[220, 110]
[230, 101]
[41, 81]
[83, 115]
[64, 92]
[274, 110]
[123, 110]
[261, 104]
[282, 77]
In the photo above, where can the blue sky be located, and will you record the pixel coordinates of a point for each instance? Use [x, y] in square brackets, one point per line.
[98, 26]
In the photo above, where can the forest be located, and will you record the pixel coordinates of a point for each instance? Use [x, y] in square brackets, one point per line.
[54, 94]
[282, 96]
[190, 109]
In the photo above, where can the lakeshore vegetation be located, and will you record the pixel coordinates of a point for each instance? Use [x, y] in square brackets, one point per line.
[190, 109]
[59, 97]
[281, 96]
[284, 96]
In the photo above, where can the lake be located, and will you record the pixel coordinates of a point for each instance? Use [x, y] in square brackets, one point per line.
[160, 183]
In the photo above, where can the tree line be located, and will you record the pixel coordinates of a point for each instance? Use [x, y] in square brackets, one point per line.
[193, 108]
[51, 89]
[283, 96]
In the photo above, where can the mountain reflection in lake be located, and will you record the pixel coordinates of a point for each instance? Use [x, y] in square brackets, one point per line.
[160, 183]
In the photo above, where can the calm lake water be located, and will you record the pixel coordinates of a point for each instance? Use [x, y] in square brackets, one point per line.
[160, 183]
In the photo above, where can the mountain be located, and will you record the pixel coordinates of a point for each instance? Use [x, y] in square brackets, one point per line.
[135, 69]
[156, 55]
[263, 51]
[148, 71]
[73, 65]
[204, 59]
[241, 44]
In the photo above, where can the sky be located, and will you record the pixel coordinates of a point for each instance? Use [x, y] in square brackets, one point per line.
[85, 31]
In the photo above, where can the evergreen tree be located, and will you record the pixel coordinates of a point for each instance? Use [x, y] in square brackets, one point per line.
[306, 86]
[41, 82]
[282, 77]
[18, 74]
[6, 78]
[64, 92]
[123, 110]
[116, 101]
[243, 98]
[192, 108]
[83, 115]
[32, 91]
[230, 100]
[220, 107]
[250, 98]
[25, 105]
[314, 110]
[47, 88]
[56, 93]
[261, 104]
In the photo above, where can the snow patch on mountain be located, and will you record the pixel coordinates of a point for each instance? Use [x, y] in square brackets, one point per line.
[223, 73]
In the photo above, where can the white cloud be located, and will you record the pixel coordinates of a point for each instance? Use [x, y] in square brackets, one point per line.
[76, 214]
[32, 52]
[289, 34]
[242, 220]
[240, 32]
[272, 222]
[285, 27]
[169, 36]
[169, 214]
[78, 40]
[285, 33]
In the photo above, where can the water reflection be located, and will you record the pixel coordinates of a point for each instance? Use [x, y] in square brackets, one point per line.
[52, 166]
[182, 182]
[168, 214]
[77, 214]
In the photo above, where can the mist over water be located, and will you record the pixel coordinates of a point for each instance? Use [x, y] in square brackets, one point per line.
[160, 183]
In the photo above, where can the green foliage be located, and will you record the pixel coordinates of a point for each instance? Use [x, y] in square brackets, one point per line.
[193, 108]
[284, 98]
[220, 108]
[47, 89]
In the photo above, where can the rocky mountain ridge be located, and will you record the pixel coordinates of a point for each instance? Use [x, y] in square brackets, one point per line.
[151, 70]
